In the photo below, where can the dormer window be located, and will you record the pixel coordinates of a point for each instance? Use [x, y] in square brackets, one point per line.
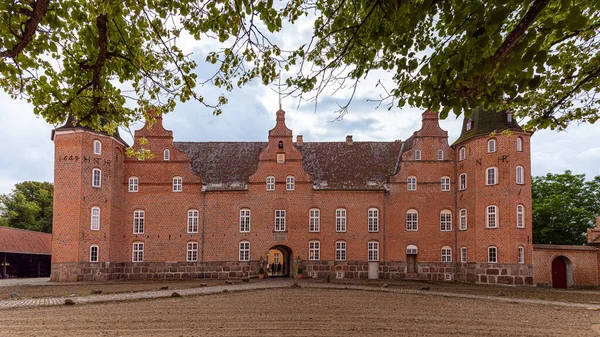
[281, 144]
[97, 147]
[469, 124]
[509, 118]
[418, 155]
[167, 155]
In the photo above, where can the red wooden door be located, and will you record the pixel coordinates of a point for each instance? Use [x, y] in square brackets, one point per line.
[559, 273]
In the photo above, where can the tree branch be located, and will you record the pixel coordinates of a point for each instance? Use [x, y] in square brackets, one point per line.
[39, 10]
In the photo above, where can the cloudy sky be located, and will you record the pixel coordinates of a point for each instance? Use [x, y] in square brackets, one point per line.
[27, 151]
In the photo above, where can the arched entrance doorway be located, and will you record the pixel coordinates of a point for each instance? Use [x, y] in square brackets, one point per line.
[562, 272]
[279, 260]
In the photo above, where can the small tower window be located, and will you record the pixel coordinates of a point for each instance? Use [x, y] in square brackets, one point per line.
[440, 155]
[167, 155]
[96, 177]
[94, 253]
[97, 147]
[492, 254]
[469, 124]
[491, 145]
[462, 153]
[418, 155]
[519, 144]
[520, 175]
[281, 144]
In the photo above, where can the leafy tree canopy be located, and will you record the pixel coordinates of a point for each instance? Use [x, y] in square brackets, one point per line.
[539, 58]
[28, 206]
[564, 207]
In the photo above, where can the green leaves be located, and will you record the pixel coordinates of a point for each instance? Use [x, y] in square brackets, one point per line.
[28, 206]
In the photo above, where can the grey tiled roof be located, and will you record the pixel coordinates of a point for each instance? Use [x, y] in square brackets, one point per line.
[486, 122]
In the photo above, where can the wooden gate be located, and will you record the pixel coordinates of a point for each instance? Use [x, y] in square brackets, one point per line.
[559, 273]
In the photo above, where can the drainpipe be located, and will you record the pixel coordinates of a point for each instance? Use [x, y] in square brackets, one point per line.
[202, 237]
[456, 223]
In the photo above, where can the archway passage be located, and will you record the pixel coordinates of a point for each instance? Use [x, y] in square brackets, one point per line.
[562, 276]
[279, 261]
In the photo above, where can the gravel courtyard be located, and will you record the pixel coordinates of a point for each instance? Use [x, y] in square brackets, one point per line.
[303, 312]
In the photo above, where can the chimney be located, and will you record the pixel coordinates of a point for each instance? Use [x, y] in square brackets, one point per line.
[299, 140]
[349, 140]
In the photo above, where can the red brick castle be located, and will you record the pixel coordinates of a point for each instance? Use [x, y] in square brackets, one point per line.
[413, 209]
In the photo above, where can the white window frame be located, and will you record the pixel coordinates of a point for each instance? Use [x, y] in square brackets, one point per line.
[491, 172]
[133, 184]
[192, 251]
[463, 219]
[412, 220]
[469, 125]
[462, 182]
[314, 220]
[462, 153]
[411, 183]
[97, 253]
[440, 155]
[192, 224]
[373, 251]
[521, 255]
[290, 183]
[491, 146]
[519, 144]
[244, 220]
[520, 216]
[340, 250]
[417, 154]
[412, 250]
[95, 219]
[520, 173]
[280, 220]
[492, 254]
[509, 117]
[446, 254]
[137, 252]
[270, 183]
[97, 147]
[340, 220]
[463, 254]
[177, 184]
[445, 182]
[373, 220]
[491, 214]
[445, 221]
[314, 250]
[139, 219]
[244, 251]
[96, 173]
[167, 155]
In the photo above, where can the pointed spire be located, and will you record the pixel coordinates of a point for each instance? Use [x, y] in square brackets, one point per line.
[279, 87]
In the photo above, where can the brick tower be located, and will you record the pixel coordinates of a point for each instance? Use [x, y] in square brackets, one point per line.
[88, 188]
[493, 207]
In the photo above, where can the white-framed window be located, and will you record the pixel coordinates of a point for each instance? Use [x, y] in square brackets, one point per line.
[491, 174]
[340, 250]
[445, 221]
[314, 220]
[244, 251]
[94, 253]
[133, 184]
[270, 183]
[491, 146]
[519, 144]
[192, 251]
[463, 219]
[492, 254]
[445, 182]
[509, 117]
[244, 220]
[463, 182]
[440, 155]
[462, 153]
[520, 216]
[412, 220]
[418, 155]
[373, 250]
[411, 250]
[290, 183]
[446, 254]
[138, 221]
[95, 223]
[137, 254]
[521, 254]
[314, 250]
[177, 184]
[520, 175]
[280, 220]
[97, 147]
[96, 177]
[193, 221]
[463, 254]
[167, 155]
[340, 220]
[412, 183]
[492, 216]
[373, 220]
[469, 125]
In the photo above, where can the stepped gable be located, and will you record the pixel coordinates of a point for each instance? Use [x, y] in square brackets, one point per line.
[334, 165]
[486, 122]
